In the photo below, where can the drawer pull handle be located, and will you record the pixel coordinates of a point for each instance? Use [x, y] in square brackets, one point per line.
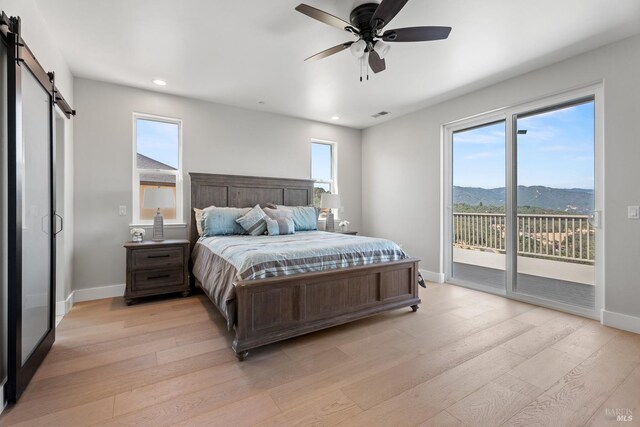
[159, 256]
[164, 276]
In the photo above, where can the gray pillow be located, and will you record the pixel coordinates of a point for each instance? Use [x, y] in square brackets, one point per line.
[253, 221]
[276, 227]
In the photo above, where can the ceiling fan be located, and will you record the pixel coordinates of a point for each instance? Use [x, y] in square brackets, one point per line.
[367, 22]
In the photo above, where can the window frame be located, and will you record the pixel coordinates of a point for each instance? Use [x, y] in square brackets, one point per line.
[179, 219]
[333, 182]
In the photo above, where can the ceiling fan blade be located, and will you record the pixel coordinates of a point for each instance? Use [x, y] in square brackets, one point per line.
[323, 16]
[376, 63]
[416, 34]
[330, 51]
[386, 12]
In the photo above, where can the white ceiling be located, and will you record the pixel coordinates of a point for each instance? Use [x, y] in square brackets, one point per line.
[244, 51]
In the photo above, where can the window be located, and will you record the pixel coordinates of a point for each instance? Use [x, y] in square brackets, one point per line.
[157, 163]
[323, 170]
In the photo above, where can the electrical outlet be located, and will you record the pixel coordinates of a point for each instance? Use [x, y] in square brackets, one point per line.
[633, 212]
[122, 211]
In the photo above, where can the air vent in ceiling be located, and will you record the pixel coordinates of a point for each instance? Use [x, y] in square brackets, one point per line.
[380, 114]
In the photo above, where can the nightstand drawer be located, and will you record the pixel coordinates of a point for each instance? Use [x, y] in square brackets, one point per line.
[160, 257]
[148, 280]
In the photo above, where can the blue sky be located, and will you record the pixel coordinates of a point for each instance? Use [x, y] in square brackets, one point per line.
[557, 151]
[158, 140]
[321, 161]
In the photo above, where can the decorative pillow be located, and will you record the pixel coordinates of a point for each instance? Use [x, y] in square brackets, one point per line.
[273, 213]
[305, 218]
[222, 221]
[280, 226]
[253, 221]
[199, 220]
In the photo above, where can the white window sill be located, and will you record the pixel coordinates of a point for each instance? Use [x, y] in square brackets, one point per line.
[172, 225]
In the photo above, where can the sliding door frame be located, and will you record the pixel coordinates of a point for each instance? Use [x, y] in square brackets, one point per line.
[447, 250]
[510, 115]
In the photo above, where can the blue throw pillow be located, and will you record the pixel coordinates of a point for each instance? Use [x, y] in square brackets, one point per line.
[305, 218]
[222, 221]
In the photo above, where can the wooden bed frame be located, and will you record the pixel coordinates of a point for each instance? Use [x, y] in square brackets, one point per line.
[274, 309]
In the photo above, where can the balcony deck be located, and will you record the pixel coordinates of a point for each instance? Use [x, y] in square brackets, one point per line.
[573, 293]
[555, 255]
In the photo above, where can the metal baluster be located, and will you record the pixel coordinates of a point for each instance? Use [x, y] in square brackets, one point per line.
[580, 224]
[547, 230]
[588, 240]
[528, 233]
[534, 236]
[573, 237]
[566, 237]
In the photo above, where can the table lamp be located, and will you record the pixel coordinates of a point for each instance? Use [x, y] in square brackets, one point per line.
[157, 198]
[330, 201]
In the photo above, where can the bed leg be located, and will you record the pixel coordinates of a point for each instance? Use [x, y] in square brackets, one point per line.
[241, 355]
[415, 308]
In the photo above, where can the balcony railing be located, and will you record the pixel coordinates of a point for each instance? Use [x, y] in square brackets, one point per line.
[569, 238]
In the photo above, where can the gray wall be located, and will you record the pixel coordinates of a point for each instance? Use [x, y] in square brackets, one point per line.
[402, 171]
[216, 139]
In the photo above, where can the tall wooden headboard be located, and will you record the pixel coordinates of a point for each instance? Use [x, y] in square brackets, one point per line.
[245, 191]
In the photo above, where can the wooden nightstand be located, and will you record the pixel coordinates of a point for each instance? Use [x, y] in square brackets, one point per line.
[155, 268]
[350, 232]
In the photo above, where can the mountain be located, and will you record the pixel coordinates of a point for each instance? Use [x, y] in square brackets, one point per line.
[574, 200]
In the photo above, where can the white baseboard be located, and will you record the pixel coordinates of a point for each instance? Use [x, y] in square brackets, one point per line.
[432, 276]
[89, 294]
[621, 321]
[100, 292]
[63, 307]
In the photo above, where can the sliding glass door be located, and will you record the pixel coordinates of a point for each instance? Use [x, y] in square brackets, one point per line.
[31, 223]
[555, 203]
[37, 212]
[521, 197]
[478, 201]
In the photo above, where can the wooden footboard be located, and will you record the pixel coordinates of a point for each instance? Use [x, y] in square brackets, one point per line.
[274, 309]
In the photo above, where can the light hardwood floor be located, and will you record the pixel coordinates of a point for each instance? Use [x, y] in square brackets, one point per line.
[464, 359]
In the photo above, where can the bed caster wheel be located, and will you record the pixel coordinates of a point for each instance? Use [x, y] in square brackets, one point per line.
[415, 308]
[129, 301]
[241, 355]
[186, 293]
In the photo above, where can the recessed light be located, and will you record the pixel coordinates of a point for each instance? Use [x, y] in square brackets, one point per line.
[160, 82]
[335, 118]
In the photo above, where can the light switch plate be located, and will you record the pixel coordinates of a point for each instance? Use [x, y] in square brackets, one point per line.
[122, 210]
[633, 212]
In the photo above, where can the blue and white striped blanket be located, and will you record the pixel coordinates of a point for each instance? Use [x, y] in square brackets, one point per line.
[219, 262]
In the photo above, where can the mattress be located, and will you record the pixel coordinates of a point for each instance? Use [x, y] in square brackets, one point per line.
[220, 262]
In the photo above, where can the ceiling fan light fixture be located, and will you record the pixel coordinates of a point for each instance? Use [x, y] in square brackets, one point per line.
[358, 48]
[382, 48]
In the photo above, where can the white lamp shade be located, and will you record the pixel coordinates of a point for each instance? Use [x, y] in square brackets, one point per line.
[357, 48]
[382, 48]
[155, 198]
[330, 201]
